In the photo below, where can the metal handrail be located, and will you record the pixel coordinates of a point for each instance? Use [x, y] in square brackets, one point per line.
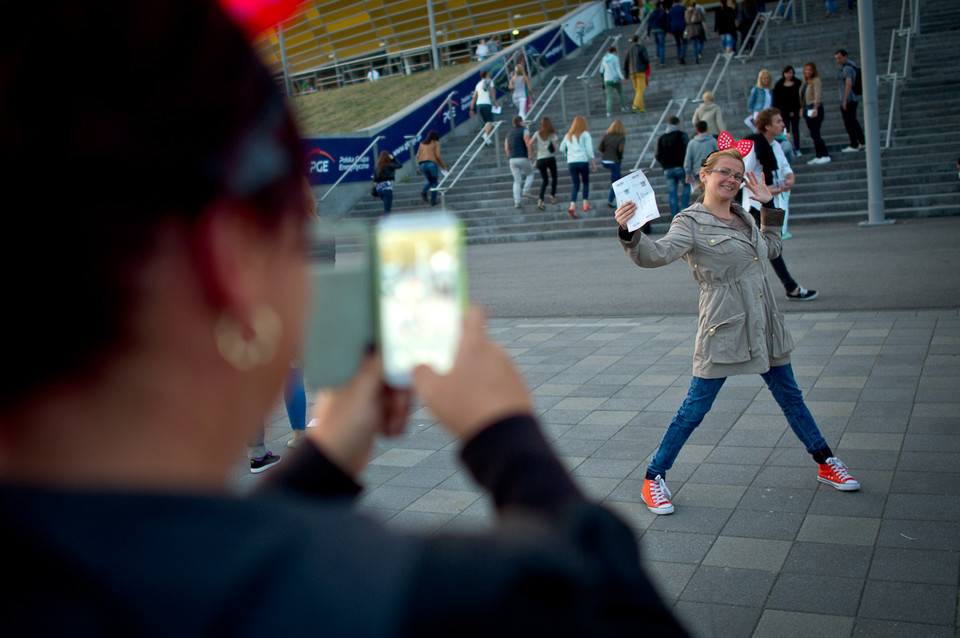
[762, 20]
[587, 72]
[893, 106]
[546, 96]
[446, 104]
[643, 23]
[703, 87]
[419, 134]
[507, 63]
[653, 134]
[456, 171]
[892, 75]
[355, 162]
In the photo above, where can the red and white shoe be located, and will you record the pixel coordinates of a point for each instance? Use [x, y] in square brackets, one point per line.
[833, 472]
[656, 496]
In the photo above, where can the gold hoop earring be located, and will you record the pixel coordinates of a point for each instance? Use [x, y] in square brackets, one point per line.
[246, 354]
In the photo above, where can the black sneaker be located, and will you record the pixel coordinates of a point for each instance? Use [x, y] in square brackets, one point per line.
[802, 294]
[264, 463]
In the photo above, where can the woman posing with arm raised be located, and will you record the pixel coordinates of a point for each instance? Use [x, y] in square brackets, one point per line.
[740, 329]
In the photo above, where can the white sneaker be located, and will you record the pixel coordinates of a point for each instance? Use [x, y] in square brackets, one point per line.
[824, 160]
[850, 149]
[814, 161]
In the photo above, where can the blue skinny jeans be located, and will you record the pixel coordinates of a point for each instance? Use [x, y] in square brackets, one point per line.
[700, 398]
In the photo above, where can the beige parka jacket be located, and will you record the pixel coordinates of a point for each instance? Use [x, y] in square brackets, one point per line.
[740, 330]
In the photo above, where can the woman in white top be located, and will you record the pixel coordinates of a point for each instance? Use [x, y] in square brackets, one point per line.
[543, 146]
[520, 85]
[578, 146]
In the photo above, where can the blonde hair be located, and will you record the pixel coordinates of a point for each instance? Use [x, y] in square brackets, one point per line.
[708, 97]
[813, 75]
[578, 127]
[617, 128]
[711, 161]
[760, 78]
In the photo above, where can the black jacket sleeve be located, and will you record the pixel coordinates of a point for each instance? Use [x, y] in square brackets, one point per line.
[555, 564]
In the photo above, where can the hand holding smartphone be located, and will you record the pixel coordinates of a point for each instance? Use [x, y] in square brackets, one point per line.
[420, 293]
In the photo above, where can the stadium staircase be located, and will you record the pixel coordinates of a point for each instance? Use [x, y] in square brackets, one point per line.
[919, 169]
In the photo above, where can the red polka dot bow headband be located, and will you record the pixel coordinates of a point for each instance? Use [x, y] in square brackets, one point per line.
[725, 141]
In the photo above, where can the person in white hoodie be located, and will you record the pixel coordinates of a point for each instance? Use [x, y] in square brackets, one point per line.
[612, 78]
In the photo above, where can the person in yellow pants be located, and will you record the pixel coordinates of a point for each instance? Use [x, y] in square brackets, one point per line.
[635, 65]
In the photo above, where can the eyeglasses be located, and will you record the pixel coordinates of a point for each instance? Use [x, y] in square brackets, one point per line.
[726, 174]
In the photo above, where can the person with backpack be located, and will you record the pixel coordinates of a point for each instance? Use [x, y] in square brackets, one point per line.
[851, 88]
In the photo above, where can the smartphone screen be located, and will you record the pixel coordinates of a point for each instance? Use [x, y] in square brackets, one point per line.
[421, 293]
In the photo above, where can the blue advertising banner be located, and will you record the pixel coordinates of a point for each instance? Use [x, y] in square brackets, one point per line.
[327, 159]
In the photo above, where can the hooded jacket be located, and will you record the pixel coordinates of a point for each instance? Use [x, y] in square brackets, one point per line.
[697, 150]
[610, 68]
[712, 115]
[740, 328]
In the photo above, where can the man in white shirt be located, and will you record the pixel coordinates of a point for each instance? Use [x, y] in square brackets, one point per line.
[767, 161]
[484, 99]
[373, 75]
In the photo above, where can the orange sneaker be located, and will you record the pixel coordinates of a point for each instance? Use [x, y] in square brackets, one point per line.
[834, 472]
[657, 496]
[587, 206]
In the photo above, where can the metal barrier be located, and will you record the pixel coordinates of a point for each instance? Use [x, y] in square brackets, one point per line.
[726, 57]
[461, 165]
[546, 96]
[896, 79]
[643, 23]
[373, 145]
[653, 134]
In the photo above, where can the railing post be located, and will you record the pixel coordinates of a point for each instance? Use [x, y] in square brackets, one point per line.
[729, 87]
[586, 97]
[563, 102]
[766, 35]
[496, 147]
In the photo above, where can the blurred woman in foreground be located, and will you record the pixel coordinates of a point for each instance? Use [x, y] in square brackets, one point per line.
[167, 329]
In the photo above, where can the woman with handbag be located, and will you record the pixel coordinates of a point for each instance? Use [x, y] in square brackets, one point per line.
[543, 146]
[696, 32]
[383, 175]
[522, 93]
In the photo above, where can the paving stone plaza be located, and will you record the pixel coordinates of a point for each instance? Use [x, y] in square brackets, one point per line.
[757, 546]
